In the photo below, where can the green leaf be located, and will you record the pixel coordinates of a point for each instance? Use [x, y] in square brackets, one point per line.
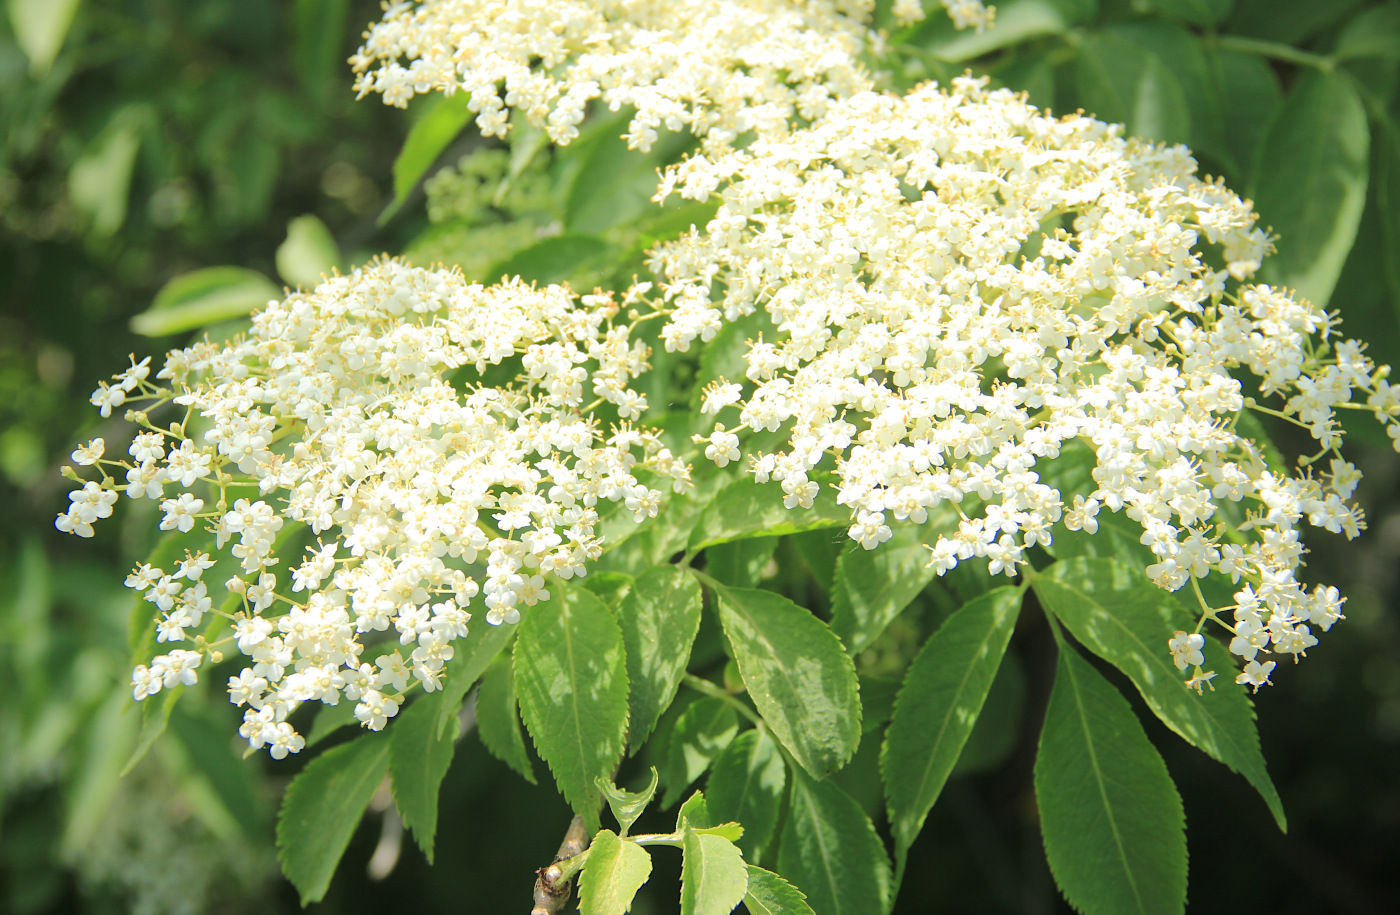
[571, 677]
[831, 851]
[740, 563]
[1111, 818]
[1196, 12]
[694, 813]
[746, 785]
[155, 715]
[1371, 33]
[1249, 94]
[726, 356]
[937, 707]
[770, 894]
[877, 695]
[430, 135]
[797, 674]
[616, 869]
[612, 588]
[1387, 193]
[40, 27]
[204, 297]
[1017, 22]
[659, 617]
[1126, 620]
[474, 653]
[628, 805]
[704, 729]
[321, 809]
[1311, 184]
[329, 719]
[614, 185]
[308, 254]
[498, 722]
[319, 33]
[1121, 81]
[713, 876]
[872, 587]
[998, 728]
[745, 509]
[204, 740]
[419, 757]
[553, 260]
[100, 181]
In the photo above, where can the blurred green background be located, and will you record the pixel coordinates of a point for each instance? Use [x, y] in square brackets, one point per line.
[144, 139]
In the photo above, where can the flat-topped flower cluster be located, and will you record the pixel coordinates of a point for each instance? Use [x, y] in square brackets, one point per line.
[963, 286]
[719, 68]
[356, 414]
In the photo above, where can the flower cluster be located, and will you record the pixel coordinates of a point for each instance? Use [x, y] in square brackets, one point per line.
[356, 414]
[961, 287]
[720, 68]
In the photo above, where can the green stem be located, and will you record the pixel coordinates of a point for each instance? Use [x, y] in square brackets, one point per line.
[714, 691]
[1276, 51]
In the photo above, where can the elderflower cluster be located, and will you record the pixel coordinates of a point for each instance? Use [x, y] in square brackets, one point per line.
[720, 68]
[357, 415]
[960, 288]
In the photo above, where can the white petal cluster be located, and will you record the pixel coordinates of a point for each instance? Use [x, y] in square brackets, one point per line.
[719, 68]
[964, 288]
[356, 414]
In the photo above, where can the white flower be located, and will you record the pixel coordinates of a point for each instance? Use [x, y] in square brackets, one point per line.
[1255, 674]
[89, 454]
[374, 710]
[180, 512]
[1186, 649]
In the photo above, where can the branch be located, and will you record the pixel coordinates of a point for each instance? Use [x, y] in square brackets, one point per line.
[551, 884]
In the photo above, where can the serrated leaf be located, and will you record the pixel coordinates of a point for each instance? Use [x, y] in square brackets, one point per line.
[746, 785]
[872, 587]
[204, 297]
[571, 679]
[714, 878]
[616, 869]
[694, 813]
[628, 805]
[704, 729]
[745, 509]
[1126, 620]
[427, 138]
[498, 722]
[474, 653]
[770, 894]
[39, 27]
[659, 618]
[937, 707]
[612, 588]
[308, 253]
[419, 757]
[321, 809]
[797, 674]
[1110, 816]
[831, 852]
[1311, 184]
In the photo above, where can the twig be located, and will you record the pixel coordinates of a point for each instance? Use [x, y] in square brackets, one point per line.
[551, 886]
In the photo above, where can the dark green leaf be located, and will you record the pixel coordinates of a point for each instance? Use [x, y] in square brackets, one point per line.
[1311, 184]
[1249, 94]
[872, 587]
[204, 297]
[1110, 816]
[797, 674]
[616, 869]
[998, 728]
[497, 720]
[431, 133]
[1387, 193]
[628, 805]
[831, 851]
[553, 260]
[419, 757]
[740, 563]
[877, 696]
[1196, 12]
[322, 807]
[571, 677]
[660, 617]
[329, 719]
[713, 876]
[1123, 82]
[203, 738]
[319, 33]
[1123, 618]
[474, 653]
[770, 894]
[1372, 33]
[938, 706]
[745, 509]
[1287, 21]
[746, 785]
[704, 729]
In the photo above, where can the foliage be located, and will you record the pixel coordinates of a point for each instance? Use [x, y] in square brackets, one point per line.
[835, 704]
